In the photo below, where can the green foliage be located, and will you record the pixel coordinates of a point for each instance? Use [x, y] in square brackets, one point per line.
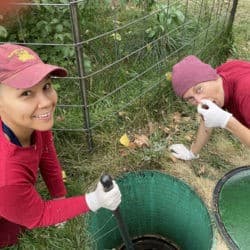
[3, 32]
[49, 24]
[157, 37]
[53, 26]
[145, 4]
[167, 19]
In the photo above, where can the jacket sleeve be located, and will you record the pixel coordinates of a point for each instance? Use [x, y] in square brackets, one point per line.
[50, 167]
[22, 204]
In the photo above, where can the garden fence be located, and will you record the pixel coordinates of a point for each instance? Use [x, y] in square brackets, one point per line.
[117, 52]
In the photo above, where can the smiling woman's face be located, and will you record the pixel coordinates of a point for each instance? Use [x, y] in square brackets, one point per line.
[211, 90]
[26, 110]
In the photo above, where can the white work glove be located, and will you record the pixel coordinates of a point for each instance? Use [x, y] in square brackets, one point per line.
[213, 115]
[181, 152]
[99, 198]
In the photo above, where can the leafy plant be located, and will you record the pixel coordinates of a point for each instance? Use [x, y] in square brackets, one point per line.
[167, 19]
[3, 32]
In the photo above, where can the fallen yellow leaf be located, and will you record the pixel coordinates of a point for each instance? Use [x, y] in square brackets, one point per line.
[168, 76]
[64, 176]
[124, 140]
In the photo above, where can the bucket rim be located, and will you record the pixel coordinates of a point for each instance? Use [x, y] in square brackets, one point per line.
[182, 182]
[216, 195]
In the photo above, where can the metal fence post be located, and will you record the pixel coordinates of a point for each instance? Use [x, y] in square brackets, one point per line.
[81, 71]
[232, 15]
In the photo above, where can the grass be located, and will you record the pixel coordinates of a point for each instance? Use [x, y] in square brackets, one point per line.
[165, 120]
[241, 32]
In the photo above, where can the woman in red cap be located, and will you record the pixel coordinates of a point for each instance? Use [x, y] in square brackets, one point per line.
[27, 105]
[222, 97]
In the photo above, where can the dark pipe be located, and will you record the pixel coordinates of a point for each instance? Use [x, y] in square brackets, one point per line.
[107, 183]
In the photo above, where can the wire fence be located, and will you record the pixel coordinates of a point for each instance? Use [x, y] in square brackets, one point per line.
[117, 52]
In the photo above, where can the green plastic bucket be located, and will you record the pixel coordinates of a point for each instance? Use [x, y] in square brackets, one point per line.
[231, 200]
[154, 205]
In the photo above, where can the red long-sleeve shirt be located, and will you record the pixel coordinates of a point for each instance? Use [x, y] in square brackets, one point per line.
[236, 84]
[21, 206]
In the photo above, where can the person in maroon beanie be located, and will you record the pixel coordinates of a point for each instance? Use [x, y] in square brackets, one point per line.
[222, 97]
[27, 105]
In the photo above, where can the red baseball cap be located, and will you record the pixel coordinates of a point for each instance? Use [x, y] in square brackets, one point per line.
[21, 67]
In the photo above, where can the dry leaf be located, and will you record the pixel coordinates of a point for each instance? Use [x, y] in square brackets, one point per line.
[186, 118]
[188, 138]
[165, 129]
[122, 113]
[60, 118]
[152, 128]
[123, 152]
[177, 117]
[202, 170]
[141, 140]
[132, 145]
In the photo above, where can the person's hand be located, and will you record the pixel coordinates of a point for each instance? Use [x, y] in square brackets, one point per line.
[213, 115]
[99, 198]
[181, 152]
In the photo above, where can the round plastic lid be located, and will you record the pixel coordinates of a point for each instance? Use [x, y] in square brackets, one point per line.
[231, 200]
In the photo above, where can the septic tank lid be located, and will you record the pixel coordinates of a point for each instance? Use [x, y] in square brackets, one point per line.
[231, 202]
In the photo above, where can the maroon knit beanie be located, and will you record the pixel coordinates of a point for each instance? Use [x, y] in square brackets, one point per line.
[189, 72]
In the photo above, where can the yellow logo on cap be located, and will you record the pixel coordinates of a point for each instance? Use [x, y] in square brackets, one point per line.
[22, 54]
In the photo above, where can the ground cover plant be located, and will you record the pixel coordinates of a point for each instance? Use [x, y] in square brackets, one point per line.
[151, 124]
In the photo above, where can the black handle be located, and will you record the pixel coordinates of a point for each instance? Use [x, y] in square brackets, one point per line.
[107, 182]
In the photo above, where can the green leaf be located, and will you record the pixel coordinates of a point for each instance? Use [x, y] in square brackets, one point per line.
[59, 37]
[54, 21]
[3, 32]
[87, 65]
[162, 28]
[59, 28]
[148, 30]
[180, 16]
[151, 33]
[56, 86]
[161, 18]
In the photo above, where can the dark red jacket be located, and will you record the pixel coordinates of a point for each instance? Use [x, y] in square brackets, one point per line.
[21, 206]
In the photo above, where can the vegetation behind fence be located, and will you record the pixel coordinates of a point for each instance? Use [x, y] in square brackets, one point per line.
[117, 52]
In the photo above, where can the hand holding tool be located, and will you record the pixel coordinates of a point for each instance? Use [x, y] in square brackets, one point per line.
[107, 183]
[101, 198]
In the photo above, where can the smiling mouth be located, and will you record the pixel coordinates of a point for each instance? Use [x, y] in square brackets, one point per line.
[44, 116]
